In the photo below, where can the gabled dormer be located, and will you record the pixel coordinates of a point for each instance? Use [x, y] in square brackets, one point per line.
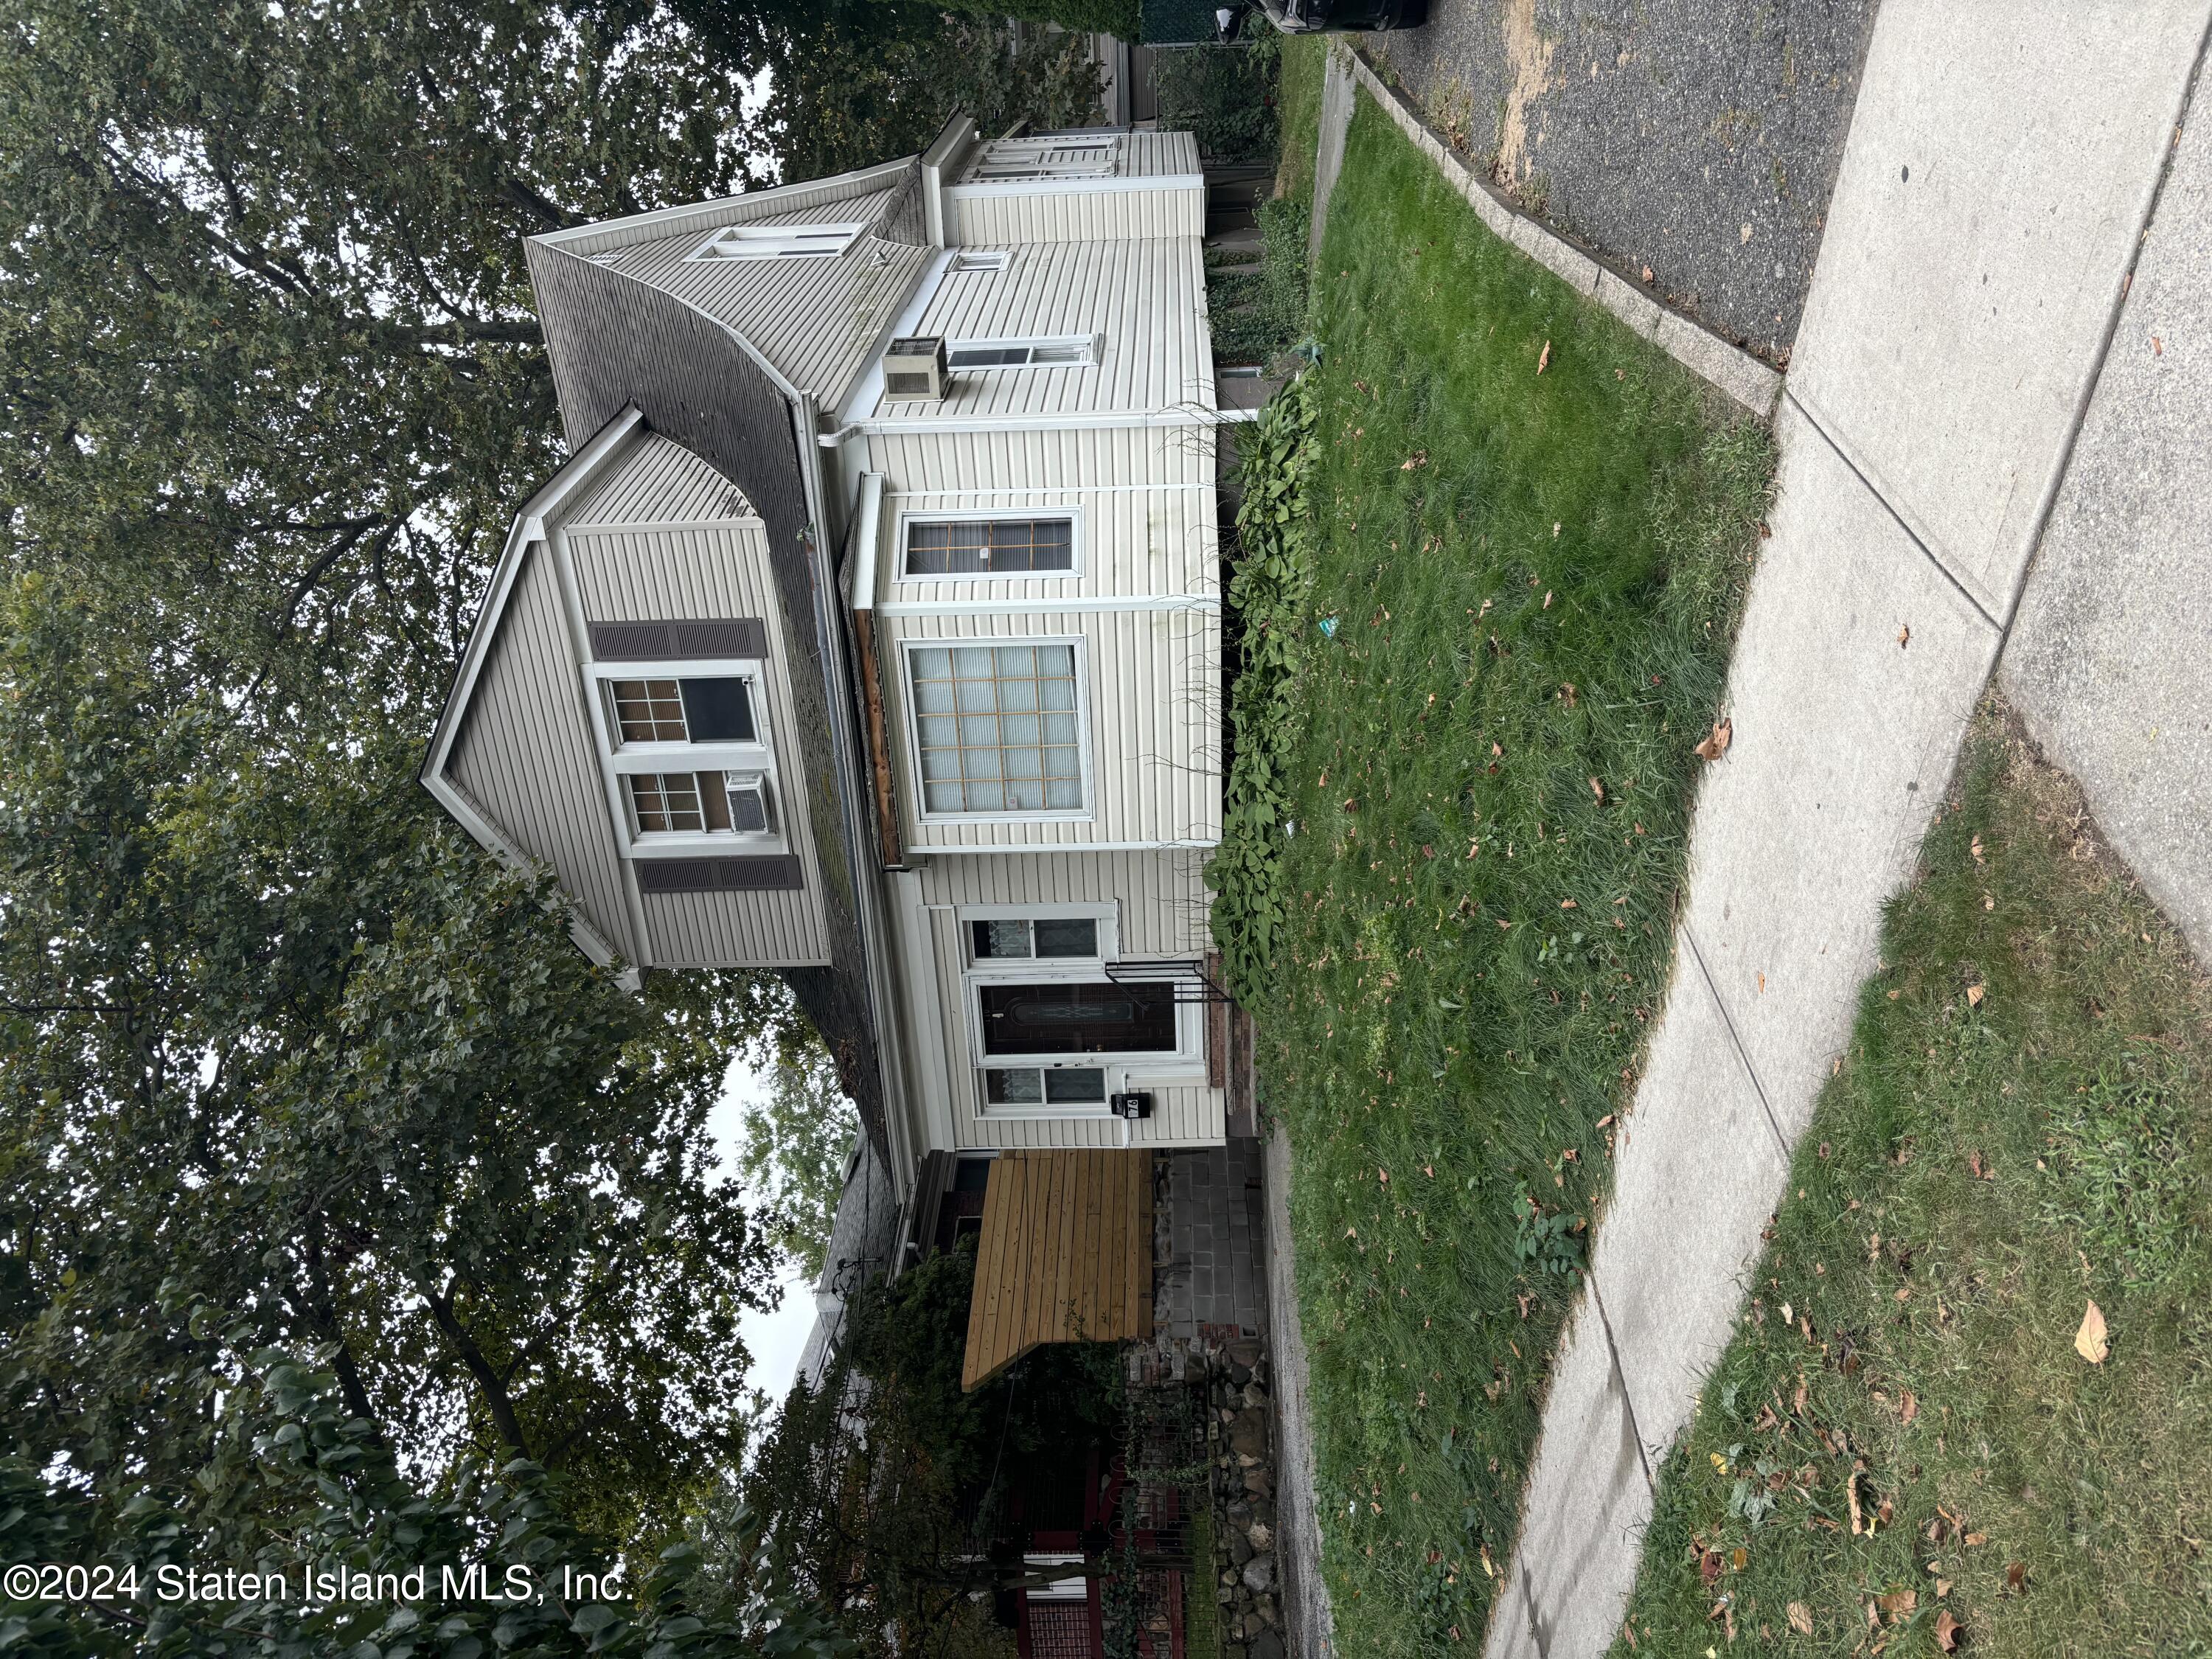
[625, 714]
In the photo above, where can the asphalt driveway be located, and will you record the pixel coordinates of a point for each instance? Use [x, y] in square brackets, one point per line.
[1697, 138]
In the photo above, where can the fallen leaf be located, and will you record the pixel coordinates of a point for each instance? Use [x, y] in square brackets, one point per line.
[1597, 788]
[1797, 1399]
[1801, 1618]
[1975, 993]
[1717, 745]
[2089, 1341]
[1947, 1632]
[1898, 1604]
[1709, 1565]
[1974, 1164]
[2157, 346]
[1908, 1406]
[1943, 1587]
[2016, 1576]
[1547, 605]
[1647, 273]
[1739, 1558]
[1976, 1540]
[1567, 904]
[1543, 358]
[1383, 1175]
[1904, 635]
[1419, 458]
[1975, 848]
[1851, 1500]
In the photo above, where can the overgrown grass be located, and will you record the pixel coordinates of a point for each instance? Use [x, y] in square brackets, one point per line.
[1297, 102]
[1980, 1170]
[1529, 534]
[1258, 315]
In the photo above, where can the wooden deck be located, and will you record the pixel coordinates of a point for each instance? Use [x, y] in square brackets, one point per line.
[1065, 1255]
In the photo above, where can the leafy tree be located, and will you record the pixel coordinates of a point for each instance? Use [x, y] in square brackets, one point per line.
[885, 1486]
[271, 353]
[794, 1152]
[278, 1041]
[275, 1039]
[852, 94]
[1116, 17]
[545, 1589]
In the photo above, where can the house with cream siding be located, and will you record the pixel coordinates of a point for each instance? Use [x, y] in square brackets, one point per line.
[872, 634]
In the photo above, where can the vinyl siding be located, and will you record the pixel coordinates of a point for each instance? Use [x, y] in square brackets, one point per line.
[1149, 694]
[816, 320]
[670, 572]
[1147, 299]
[526, 754]
[1129, 543]
[977, 216]
[1160, 899]
[657, 482]
[1052, 210]
[1161, 896]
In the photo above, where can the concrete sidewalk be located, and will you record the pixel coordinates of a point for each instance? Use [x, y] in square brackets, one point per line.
[2002, 169]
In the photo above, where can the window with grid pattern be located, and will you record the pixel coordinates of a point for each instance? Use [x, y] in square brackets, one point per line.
[717, 710]
[667, 802]
[989, 547]
[996, 728]
[649, 711]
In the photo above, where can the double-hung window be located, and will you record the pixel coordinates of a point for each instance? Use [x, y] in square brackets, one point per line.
[1043, 351]
[691, 757]
[997, 728]
[989, 547]
[775, 242]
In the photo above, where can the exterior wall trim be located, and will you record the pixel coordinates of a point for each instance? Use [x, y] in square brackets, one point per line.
[1076, 186]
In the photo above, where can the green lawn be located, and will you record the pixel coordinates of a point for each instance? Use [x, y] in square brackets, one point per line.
[1297, 98]
[1979, 1171]
[1531, 531]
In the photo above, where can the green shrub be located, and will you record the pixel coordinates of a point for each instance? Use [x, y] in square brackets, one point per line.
[1256, 316]
[1224, 96]
[1267, 600]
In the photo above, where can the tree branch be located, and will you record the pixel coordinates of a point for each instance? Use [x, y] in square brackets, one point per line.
[472, 1357]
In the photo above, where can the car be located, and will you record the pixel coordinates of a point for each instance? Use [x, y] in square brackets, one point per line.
[1327, 16]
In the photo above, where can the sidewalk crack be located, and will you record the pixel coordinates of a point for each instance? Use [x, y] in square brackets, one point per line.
[1736, 1038]
[1620, 1380]
[1819, 424]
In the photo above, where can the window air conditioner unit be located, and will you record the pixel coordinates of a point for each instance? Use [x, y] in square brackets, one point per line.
[913, 367]
[751, 811]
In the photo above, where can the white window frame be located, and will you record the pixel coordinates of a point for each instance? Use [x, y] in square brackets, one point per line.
[618, 760]
[1058, 155]
[975, 973]
[1090, 347]
[739, 244]
[970, 515]
[955, 642]
[973, 261]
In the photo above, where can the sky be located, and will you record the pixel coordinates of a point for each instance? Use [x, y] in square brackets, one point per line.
[774, 1340]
